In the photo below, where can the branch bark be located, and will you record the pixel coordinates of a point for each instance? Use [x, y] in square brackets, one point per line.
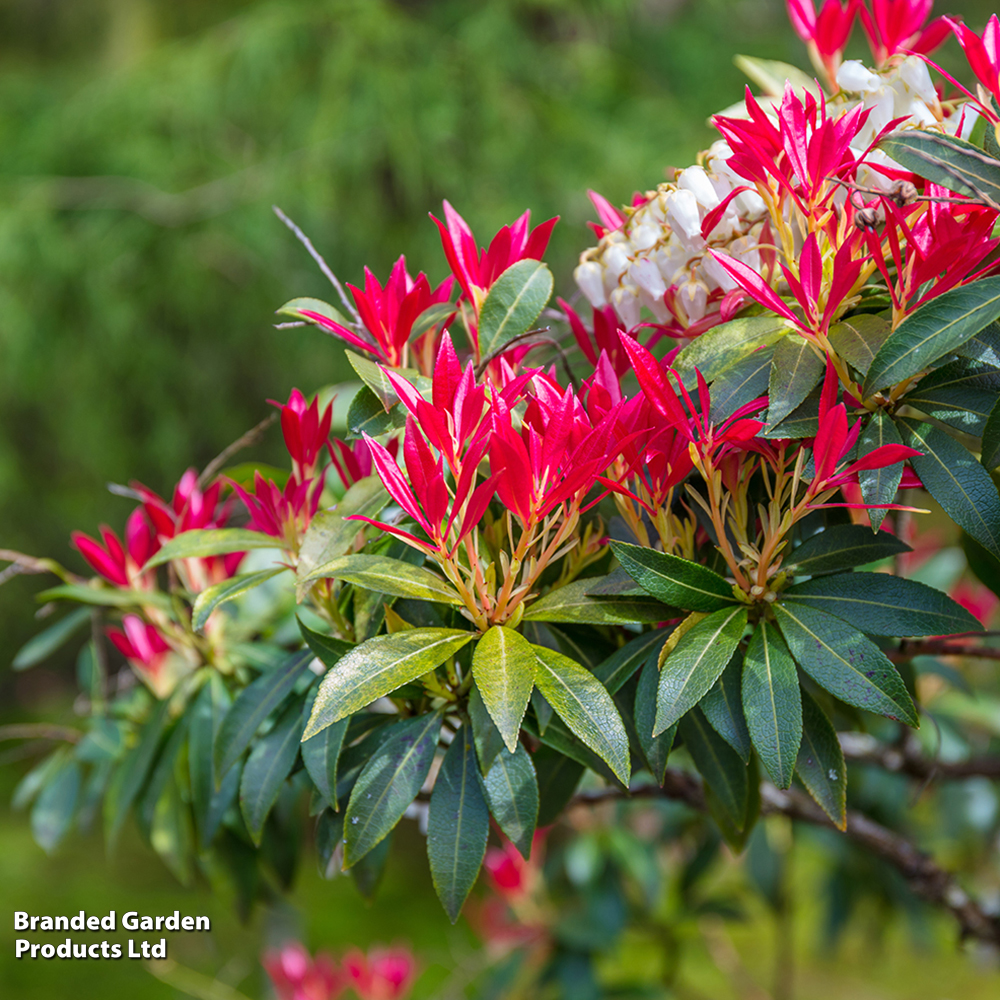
[925, 877]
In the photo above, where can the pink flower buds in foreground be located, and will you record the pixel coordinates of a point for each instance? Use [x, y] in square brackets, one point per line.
[141, 644]
[120, 564]
[384, 974]
[306, 432]
[296, 976]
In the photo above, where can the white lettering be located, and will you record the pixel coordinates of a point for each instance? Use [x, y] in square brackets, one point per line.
[21, 945]
[108, 922]
[132, 953]
[20, 921]
[48, 951]
[201, 924]
[159, 950]
[93, 924]
[130, 921]
[79, 922]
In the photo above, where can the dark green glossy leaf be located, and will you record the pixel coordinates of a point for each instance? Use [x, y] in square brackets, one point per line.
[487, 737]
[214, 597]
[741, 383]
[43, 645]
[320, 754]
[960, 394]
[723, 346]
[515, 300]
[558, 776]
[991, 438]
[723, 707]
[325, 648]
[296, 307]
[802, 422]
[512, 792]
[206, 715]
[458, 824]
[675, 581]
[880, 604]
[655, 749]
[503, 665]
[251, 707]
[720, 766]
[582, 702]
[843, 546]
[266, 769]
[368, 873]
[946, 160]
[859, 338]
[200, 542]
[933, 330]
[110, 597]
[367, 415]
[957, 481]
[772, 704]
[794, 374]
[379, 666]
[845, 663]
[431, 317]
[623, 663]
[696, 662]
[820, 764]
[878, 486]
[571, 604]
[389, 783]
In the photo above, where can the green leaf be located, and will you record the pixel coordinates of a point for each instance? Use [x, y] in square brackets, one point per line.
[458, 824]
[933, 330]
[581, 701]
[673, 580]
[843, 546]
[325, 647]
[696, 662]
[52, 815]
[570, 603]
[383, 575]
[560, 737]
[957, 481]
[487, 737]
[269, 764]
[389, 783]
[820, 765]
[723, 346]
[431, 317]
[624, 662]
[512, 792]
[170, 832]
[991, 438]
[206, 715]
[296, 307]
[161, 775]
[878, 486]
[43, 645]
[741, 383]
[844, 662]
[960, 394]
[859, 339]
[131, 775]
[251, 707]
[110, 597]
[724, 773]
[771, 76]
[371, 373]
[503, 665]
[200, 542]
[367, 415]
[656, 749]
[772, 703]
[802, 422]
[369, 871]
[379, 666]
[214, 597]
[723, 707]
[330, 534]
[986, 567]
[558, 776]
[946, 160]
[515, 300]
[320, 754]
[880, 604]
[794, 373]
[983, 348]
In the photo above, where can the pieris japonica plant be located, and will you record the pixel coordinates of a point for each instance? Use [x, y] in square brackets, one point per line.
[662, 541]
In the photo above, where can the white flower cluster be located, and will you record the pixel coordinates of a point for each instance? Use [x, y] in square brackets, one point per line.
[660, 248]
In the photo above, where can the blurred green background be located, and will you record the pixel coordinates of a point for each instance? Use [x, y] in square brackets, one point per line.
[142, 143]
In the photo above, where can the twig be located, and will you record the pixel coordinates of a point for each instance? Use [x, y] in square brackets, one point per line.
[924, 876]
[323, 266]
[941, 647]
[907, 759]
[251, 437]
